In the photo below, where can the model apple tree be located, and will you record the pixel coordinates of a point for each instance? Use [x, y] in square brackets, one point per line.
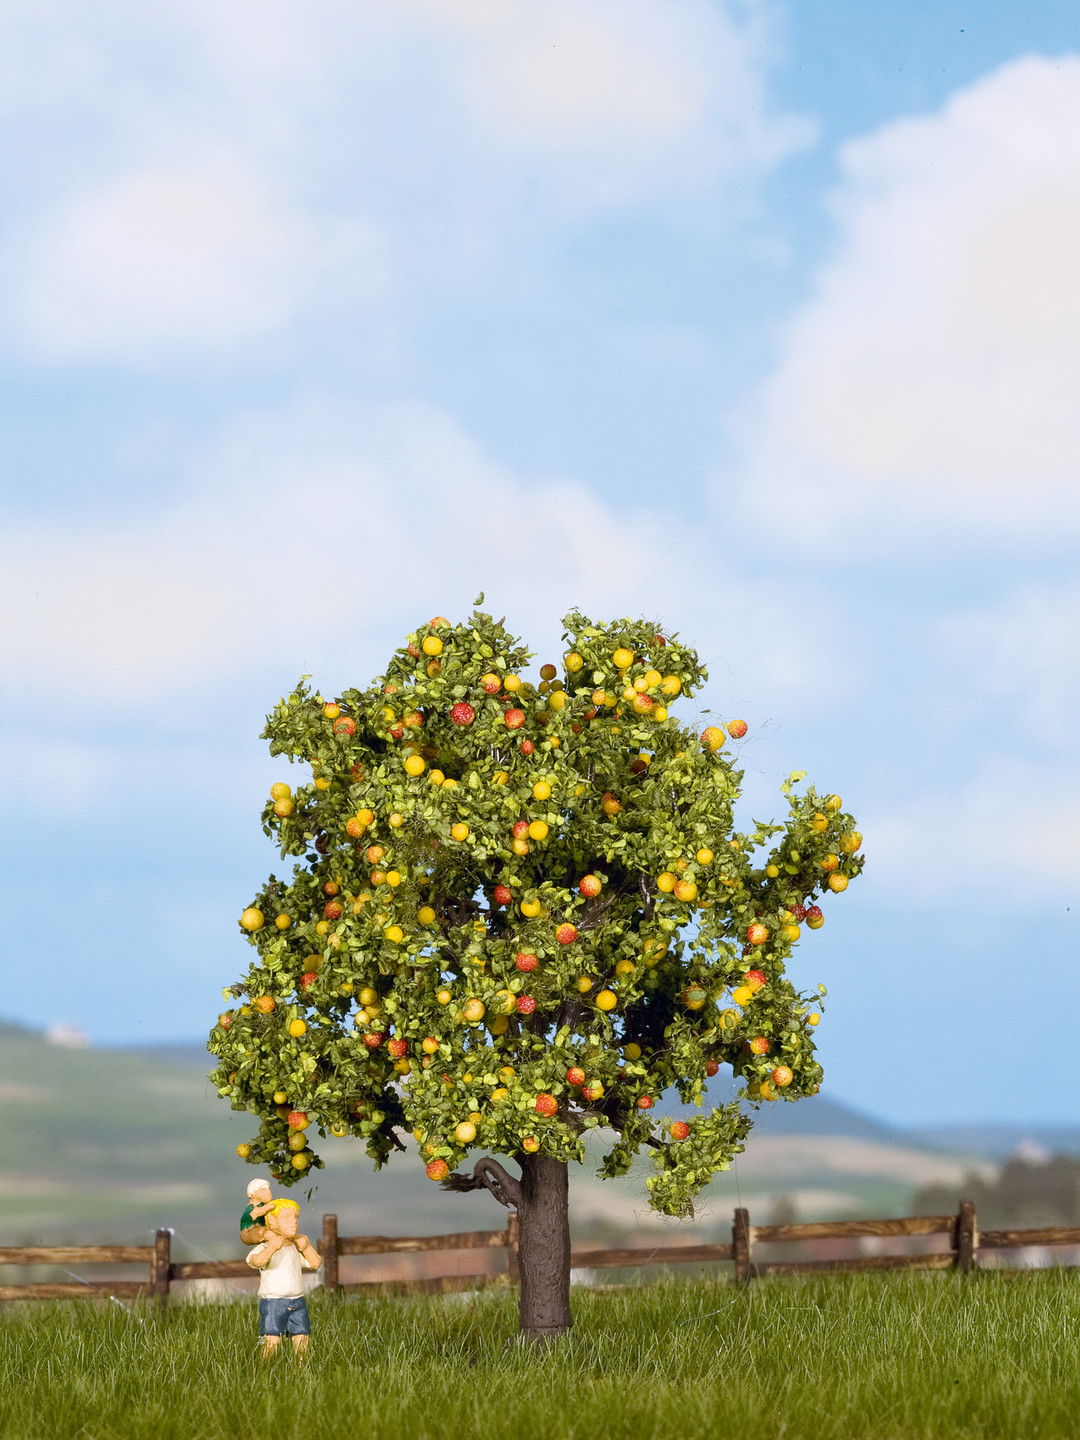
[520, 912]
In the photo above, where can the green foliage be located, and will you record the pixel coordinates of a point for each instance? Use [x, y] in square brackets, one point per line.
[386, 993]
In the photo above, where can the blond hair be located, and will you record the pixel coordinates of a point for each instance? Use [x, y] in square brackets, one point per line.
[283, 1204]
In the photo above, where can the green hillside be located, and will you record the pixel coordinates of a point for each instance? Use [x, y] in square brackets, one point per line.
[108, 1145]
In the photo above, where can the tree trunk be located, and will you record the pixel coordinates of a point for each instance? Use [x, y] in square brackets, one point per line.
[544, 1252]
[540, 1198]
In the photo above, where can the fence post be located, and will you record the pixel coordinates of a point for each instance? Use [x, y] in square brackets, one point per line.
[329, 1252]
[740, 1246]
[161, 1265]
[967, 1236]
[513, 1241]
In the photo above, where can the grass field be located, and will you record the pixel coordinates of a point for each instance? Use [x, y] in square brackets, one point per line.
[921, 1357]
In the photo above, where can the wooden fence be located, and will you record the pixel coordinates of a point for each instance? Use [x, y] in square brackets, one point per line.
[965, 1243]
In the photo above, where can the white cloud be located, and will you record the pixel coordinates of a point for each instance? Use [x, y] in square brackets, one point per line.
[1008, 839]
[577, 74]
[660, 92]
[198, 254]
[932, 377]
[455, 128]
[998, 829]
[1022, 654]
[306, 538]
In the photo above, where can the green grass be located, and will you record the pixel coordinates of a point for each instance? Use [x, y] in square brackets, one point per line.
[909, 1356]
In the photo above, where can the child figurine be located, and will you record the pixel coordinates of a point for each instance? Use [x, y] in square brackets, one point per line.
[282, 1307]
[252, 1231]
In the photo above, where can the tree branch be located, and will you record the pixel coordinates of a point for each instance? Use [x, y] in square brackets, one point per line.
[592, 912]
[487, 1175]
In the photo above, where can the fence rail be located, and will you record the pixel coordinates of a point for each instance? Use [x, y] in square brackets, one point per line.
[965, 1244]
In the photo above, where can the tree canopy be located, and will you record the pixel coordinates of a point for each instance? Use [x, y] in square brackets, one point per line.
[520, 911]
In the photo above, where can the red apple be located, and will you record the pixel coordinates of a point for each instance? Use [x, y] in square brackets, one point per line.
[298, 1120]
[590, 885]
[501, 894]
[437, 1170]
[373, 1038]
[679, 1129]
[798, 913]
[333, 910]
[645, 1102]
[462, 713]
[396, 732]
[527, 747]
[331, 888]
[592, 1090]
[520, 829]
[757, 934]
[526, 962]
[308, 979]
[344, 725]
[546, 1105]
[737, 729]
[397, 1048]
[566, 934]
[526, 1004]
[756, 978]
[711, 1067]
[548, 672]
[575, 1075]
[514, 718]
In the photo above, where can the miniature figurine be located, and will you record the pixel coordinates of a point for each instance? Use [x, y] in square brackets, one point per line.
[282, 1307]
[260, 1199]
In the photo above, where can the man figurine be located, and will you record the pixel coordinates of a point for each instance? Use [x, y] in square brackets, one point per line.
[252, 1230]
[282, 1307]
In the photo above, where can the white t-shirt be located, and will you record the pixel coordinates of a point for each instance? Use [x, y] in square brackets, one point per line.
[280, 1280]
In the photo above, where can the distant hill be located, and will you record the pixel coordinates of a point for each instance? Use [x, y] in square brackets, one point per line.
[996, 1141]
[190, 1054]
[818, 1115]
[109, 1144]
[815, 1115]
[11, 1030]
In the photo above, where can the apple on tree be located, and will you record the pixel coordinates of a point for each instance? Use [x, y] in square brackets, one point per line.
[524, 834]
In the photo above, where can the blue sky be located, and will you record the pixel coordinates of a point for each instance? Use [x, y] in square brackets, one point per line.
[759, 319]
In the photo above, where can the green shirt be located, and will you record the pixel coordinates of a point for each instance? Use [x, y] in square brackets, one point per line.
[246, 1220]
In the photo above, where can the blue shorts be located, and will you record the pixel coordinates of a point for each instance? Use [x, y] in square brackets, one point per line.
[284, 1317]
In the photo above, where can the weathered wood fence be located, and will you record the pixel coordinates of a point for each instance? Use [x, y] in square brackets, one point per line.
[965, 1244]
